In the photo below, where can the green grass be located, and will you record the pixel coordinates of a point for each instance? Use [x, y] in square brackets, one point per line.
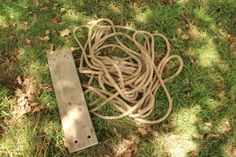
[202, 32]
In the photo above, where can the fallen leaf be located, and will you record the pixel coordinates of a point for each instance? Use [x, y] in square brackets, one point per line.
[22, 106]
[127, 153]
[4, 131]
[143, 131]
[46, 87]
[227, 127]
[55, 20]
[128, 148]
[189, 94]
[186, 19]
[192, 61]
[25, 26]
[45, 38]
[14, 38]
[208, 124]
[63, 10]
[29, 88]
[55, 6]
[19, 81]
[50, 48]
[221, 94]
[184, 36]
[72, 48]
[43, 8]
[233, 47]
[28, 41]
[47, 32]
[179, 31]
[24, 99]
[36, 109]
[230, 150]
[5, 25]
[214, 135]
[196, 136]
[167, 2]
[64, 32]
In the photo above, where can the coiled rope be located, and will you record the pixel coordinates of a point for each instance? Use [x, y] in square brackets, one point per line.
[129, 82]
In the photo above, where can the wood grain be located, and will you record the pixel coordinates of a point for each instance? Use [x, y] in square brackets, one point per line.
[77, 125]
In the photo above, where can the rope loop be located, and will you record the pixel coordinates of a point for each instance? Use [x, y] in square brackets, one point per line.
[121, 60]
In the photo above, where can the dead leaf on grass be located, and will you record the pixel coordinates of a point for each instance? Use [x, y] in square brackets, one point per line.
[50, 48]
[226, 127]
[46, 87]
[213, 135]
[22, 106]
[192, 61]
[7, 75]
[196, 136]
[167, 2]
[42, 7]
[47, 32]
[55, 20]
[128, 148]
[45, 38]
[230, 149]
[233, 47]
[35, 109]
[208, 124]
[64, 32]
[19, 80]
[14, 38]
[25, 98]
[28, 41]
[55, 6]
[186, 19]
[8, 60]
[147, 130]
[25, 26]
[179, 31]
[143, 131]
[73, 48]
[4, 25]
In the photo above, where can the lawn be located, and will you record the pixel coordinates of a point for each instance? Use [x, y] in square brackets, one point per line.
[203, 120]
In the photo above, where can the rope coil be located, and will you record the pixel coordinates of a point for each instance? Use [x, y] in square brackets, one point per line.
[128, 81]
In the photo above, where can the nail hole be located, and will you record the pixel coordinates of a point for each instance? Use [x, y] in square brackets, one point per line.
[88, 136]
[69, 103]
[64, 55]
[76, 141]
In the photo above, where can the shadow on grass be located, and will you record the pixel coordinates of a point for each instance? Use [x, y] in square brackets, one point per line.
[203, 95]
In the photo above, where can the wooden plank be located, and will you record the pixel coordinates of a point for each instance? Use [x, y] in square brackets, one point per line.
[76, 122]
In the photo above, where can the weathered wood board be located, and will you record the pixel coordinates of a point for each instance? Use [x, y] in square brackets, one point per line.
[76, 122]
